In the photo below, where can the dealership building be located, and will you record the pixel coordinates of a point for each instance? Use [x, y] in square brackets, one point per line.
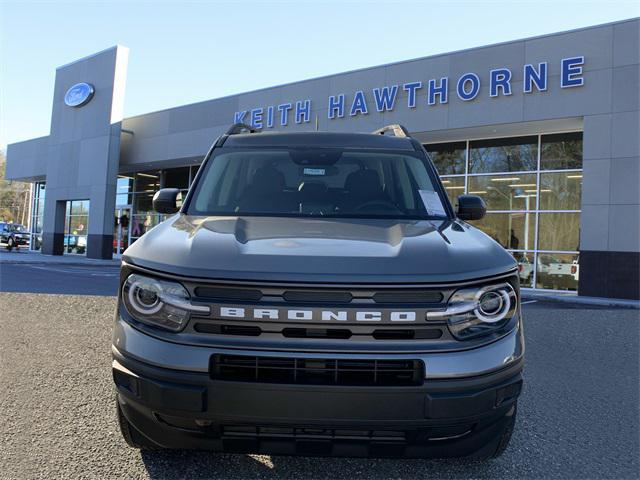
[544, 129]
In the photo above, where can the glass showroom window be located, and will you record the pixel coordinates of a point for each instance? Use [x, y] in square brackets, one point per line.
[37, 214]
[532, 186]
[124, 189]
[76, 224]
[144, 185]
[143, 218]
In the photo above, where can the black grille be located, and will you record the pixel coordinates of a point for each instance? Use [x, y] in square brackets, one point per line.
[328, 296]
[320, 297]
[317, 371]
[250, 331]
[407, 334]
[316, 333]
[408, 297]
[226, 294]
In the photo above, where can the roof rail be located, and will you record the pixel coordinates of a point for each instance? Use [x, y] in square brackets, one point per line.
[238, 128]
[397, 130]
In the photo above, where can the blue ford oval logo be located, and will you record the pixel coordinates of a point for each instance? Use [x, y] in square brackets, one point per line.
[79, 94]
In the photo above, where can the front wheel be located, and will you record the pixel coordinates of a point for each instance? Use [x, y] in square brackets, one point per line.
[10, 244]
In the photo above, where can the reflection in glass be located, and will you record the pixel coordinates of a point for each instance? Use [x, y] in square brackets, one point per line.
[558, 271]
[561, 151]
[37, 224]
[76, 223]
[560, 191]
[36, 242]
[37, 212]
[194, 171]
[141, 224]
[559, 231]
[78, 207]
[123, 190]
[125, 184]
[75, 244]
[449, 158]
[454, 186]
[513, 231]
[525, 268]
[143, 203]
[503, 155]
[147, 181]
[176, 178]
[505, 192]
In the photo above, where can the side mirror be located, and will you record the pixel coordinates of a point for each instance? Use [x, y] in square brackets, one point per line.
[471, 207]
[167, 200]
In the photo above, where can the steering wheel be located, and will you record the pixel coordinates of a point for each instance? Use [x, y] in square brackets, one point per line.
[377, 203]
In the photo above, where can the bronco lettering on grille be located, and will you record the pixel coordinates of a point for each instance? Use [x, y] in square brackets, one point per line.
[243, 313]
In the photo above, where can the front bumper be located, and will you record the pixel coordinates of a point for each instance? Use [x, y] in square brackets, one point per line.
[167, 394]
[445, 365]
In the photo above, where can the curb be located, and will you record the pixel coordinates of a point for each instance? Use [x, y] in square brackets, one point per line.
[578, 300]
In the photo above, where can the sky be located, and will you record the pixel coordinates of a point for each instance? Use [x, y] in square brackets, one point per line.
[184, 51]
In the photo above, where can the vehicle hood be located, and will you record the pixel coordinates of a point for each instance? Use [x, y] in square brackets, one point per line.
[319, 250]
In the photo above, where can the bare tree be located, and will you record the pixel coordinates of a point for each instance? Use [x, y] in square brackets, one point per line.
[14, 197]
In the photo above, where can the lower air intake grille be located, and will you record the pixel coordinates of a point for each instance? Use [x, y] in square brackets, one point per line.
[317, 371]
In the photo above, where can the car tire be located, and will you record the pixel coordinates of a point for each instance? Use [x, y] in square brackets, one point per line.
[10, 244]
[131, 436]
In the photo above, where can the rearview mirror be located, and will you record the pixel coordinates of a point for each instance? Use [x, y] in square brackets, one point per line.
[471, 207]
[167, 200]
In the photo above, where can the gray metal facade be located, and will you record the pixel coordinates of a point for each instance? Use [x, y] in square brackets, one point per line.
[86, 147]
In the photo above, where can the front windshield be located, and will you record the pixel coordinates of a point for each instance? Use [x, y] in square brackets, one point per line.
[317, 183]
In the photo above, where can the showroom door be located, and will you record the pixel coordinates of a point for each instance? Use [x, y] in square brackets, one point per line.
[121, 231]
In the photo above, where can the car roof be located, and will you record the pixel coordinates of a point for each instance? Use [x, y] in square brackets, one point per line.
[319, 140]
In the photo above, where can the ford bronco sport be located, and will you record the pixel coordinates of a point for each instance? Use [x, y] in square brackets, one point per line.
[317, 294]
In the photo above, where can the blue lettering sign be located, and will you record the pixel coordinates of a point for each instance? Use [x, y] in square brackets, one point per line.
[537, 77]
[359, 104]
[256, 117]
[239, 117]
[284, 108]
[440, 91]
[385, 98]
[571, 72]
[463, 92]
[411, 88]
[270, 117]
[500, 78]
[336, 106]
[303, 109]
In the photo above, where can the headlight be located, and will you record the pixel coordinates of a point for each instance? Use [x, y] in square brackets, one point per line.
[472, 312]
[158, 302]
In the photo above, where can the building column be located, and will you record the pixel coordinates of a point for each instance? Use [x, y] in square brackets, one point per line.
[53, 226]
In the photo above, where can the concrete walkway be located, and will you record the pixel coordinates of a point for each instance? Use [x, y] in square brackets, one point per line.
[28, 257]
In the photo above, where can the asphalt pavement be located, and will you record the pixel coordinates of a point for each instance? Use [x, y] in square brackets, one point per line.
[59, 278]
[578, 416]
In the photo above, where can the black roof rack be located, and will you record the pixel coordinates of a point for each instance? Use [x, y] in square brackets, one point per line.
[397, 130]
[238, 128]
